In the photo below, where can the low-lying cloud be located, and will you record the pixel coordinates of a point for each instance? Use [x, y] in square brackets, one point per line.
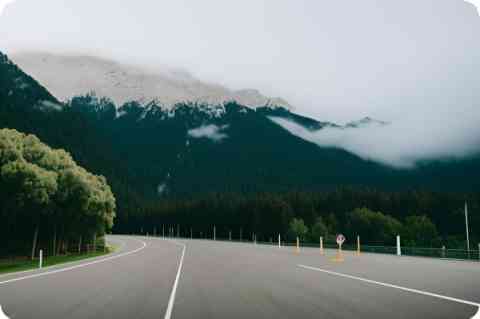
[400, 144]
[210, 131]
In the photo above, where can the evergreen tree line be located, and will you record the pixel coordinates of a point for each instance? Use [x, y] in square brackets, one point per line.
[422, 218]
[47, 201]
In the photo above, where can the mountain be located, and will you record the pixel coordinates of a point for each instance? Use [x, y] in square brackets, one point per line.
[123, 83]
[149, 150]
[366, 121]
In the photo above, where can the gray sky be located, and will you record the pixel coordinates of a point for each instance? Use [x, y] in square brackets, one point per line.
[414, 62]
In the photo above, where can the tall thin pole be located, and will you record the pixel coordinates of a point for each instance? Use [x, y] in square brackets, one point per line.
[466, 228]
[214, 233]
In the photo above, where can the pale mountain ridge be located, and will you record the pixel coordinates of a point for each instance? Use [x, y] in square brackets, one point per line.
[67, 76]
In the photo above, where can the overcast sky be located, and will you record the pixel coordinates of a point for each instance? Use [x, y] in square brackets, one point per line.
[404, 60]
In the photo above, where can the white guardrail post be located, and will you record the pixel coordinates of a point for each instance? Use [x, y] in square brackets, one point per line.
[40, 262]
[280, 241]
[399, 249]
[321, 245]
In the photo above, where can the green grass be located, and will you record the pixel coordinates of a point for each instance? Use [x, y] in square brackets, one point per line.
[10, 266]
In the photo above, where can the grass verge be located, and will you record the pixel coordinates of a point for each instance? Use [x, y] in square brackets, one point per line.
[16, 265]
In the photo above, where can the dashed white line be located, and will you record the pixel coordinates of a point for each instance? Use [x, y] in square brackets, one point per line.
[171, 301]
[76, 266]
[425, 293]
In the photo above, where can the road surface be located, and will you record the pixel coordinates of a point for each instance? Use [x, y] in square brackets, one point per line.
[156, 278]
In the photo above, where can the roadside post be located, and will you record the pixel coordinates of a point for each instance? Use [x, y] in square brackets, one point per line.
[298, 246]
[40, 262]
[340, 240]
[280, 241]
[358, 245]
[214, 233]
[230, 235]
[321, 245]
[399, 249]
[443, 251]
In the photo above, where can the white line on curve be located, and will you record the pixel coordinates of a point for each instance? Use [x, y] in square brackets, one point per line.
[77, 266]
[2, 314]
[122, 244]
[425, 293]
[171, 301]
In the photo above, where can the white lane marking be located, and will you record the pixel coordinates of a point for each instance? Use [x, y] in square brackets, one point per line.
[2, 314]
[425, 293]
[77, 266]
[171, 301]
[122, 244]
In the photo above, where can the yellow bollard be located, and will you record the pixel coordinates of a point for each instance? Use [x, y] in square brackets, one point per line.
[339, 256]
[298, 246]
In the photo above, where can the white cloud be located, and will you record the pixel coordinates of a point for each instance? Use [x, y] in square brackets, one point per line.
[162, 188]
[4, 3]
[402, 144]
[211, 131]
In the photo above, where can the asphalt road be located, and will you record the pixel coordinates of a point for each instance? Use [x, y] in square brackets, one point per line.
[155, 278]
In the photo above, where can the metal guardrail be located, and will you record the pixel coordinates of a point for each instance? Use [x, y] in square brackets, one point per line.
[442, 253]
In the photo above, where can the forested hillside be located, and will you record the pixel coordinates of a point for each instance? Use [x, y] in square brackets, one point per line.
[423, 218]
[199, 165]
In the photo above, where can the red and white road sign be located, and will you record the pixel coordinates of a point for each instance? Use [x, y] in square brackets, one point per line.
[340, 239]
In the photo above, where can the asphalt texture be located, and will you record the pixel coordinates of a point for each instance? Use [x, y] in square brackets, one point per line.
[148, 278]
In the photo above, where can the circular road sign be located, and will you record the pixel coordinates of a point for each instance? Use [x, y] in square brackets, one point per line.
[340, 239]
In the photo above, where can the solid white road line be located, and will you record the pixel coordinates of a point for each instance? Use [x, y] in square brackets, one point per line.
[171, 301]
[425, 293]
[2, 314]
[122, 244]
[77, 266]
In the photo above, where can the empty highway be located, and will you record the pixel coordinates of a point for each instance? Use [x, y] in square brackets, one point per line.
[156, 278]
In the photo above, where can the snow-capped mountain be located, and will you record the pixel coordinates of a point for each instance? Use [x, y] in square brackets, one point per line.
[72, 75]
[146, 148]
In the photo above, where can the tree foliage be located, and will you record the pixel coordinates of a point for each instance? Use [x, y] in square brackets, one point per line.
[44, 189]
[298, 229]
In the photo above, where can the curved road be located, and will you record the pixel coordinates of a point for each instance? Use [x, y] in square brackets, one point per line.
[156, 278]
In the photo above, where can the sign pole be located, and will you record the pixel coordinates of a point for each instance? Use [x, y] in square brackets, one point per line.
[340, 240]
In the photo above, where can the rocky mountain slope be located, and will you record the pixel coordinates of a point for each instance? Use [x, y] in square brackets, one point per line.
[70, 75]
